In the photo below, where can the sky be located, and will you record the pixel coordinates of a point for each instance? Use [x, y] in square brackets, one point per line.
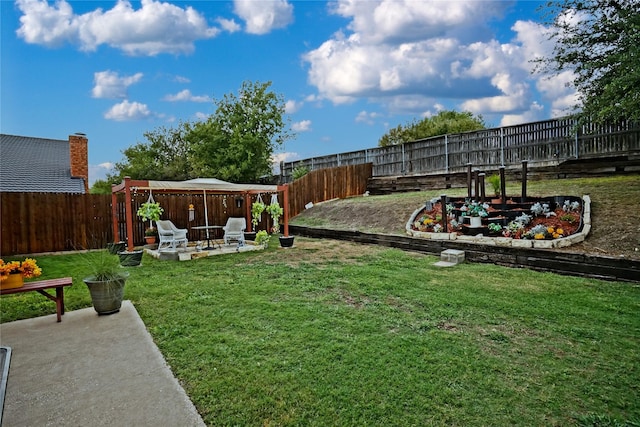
[348, 70]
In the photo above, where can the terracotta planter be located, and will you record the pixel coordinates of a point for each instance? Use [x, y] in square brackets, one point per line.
[151, 240]
[12, 282]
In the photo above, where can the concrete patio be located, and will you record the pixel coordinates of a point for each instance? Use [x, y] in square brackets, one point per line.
[198, 250]
[90, 370]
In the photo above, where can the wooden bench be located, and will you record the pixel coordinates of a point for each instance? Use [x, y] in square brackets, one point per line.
[41, 286]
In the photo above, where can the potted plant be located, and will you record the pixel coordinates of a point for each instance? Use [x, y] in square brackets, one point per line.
[150, 235]
[130, 258]
[256, 212]
[262, 238]
[275, 211]
[13, 273]
[106, 282]
[476, 211]
[494, 181]
[116, 247]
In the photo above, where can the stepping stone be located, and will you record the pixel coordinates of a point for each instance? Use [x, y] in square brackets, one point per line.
[450, 257]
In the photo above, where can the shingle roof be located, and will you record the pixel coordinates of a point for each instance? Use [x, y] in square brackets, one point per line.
[36, 165]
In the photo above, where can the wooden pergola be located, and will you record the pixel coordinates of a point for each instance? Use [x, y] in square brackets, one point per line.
[200, 186]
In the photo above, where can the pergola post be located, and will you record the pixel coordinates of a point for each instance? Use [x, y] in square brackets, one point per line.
[114, 215]
[285, 208]
[129, 214]
[247, 211]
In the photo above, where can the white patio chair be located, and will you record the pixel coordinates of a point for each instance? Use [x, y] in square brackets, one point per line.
[234, 230]
[171, 237]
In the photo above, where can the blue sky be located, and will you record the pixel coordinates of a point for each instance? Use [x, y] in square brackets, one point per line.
[349, 70]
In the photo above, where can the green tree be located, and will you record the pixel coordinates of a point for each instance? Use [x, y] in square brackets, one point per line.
[237, 142]
[445, 122]
[600, 41]
[100, 186]
[164, 156]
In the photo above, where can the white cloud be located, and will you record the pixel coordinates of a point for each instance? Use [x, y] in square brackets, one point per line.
[186, 95]
[108, 84]
[262, 16]
[412, 55]
[156, 27]
[127, 111]
[302, 126]
[99, 171]
[228, 25]
[367, 117]
[292, 106]
[533, 114]
[282, 157]
[181, 79]
[201, 116]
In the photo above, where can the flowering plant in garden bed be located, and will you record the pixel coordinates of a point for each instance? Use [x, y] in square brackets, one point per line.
[471, 208]
[545, 224]
[431, 220]
[539, 223]
[27, 268]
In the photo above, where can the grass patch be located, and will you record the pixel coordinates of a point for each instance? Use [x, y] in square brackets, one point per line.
[334, 333]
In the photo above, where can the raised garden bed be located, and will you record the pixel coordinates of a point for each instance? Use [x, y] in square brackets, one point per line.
[538, 222]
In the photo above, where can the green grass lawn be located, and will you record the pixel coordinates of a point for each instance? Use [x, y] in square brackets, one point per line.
[333, 333]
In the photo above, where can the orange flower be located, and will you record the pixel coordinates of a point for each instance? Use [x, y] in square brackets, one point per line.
[560, 231]
[27, 268]
[539, 236]
[556, 235]
[550, 230]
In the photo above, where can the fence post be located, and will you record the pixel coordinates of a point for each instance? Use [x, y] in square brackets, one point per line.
[523, 196]
[404, 168]
[503, 186]
[501, 146]
[444, 216]
[446, 154]
[469, 180]
[575, 142]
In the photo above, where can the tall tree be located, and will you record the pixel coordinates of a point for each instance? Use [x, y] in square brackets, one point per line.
[238, 140]
[600, 41]
[443, 123]
[164, 156]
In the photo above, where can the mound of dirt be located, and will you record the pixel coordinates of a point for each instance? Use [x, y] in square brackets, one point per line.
[611, 234]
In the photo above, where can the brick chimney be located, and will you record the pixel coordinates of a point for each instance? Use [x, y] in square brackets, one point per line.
[79, 155]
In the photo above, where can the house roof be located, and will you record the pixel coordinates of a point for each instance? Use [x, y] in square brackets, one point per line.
[33, 165]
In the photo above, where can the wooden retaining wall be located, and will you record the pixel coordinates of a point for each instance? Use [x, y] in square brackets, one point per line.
[569, 263]
[569, 169]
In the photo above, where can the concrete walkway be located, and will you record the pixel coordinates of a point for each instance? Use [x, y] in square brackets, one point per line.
[90, 370]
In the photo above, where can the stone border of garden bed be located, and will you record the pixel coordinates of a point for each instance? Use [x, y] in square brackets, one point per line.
[481, 239]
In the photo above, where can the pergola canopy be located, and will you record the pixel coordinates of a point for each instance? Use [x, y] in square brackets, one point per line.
[211, 185]
[198, 184]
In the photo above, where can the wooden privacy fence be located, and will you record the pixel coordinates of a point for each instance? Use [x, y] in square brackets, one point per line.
[543, 143]
[53, 222]
[327, 184]
[33, 223]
